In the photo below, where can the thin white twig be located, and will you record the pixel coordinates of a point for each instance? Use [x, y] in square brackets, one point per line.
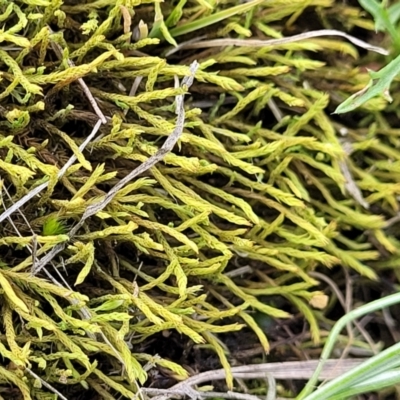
[134, 88]
[18, 204]
[275, 110]
[239, 271]
[102, 119]
[185, 45]
[44, 383]
[83, 311]
[271, 394]
[58, 50]
[351, 185]
[276, 42]
[149, 163]
[197, 394]
[229, 395]
[301, 370]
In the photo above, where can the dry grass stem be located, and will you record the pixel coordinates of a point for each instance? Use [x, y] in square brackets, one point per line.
[275, 42]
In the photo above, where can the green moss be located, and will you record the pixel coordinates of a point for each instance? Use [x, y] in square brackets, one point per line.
[53, 226]
[262, 179]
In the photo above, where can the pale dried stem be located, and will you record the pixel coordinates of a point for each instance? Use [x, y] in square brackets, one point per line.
[149, 163]
[299, 370]
[58, 50]
[276, 42]
[83, 311]
[134, 88]
[102, 119]
[44, 383]
[18, 204]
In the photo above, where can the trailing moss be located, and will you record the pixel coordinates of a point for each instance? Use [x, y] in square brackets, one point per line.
[262, 179]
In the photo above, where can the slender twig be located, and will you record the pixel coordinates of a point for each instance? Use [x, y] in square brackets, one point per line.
[271, 394]
[164, 394]
[18, 204]
[58, 50]
[83, 311]
[134, 88]
[44, 383]
[149, 163]
[239, 271]
[392, 221]
[287, 370]
[350, 184]
[229, 395]
[275, 110]
[276, 42]
[102, 119]
[35, 244]
[92, 210]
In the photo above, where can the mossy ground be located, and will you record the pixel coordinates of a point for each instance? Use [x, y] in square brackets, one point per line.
[237, 246]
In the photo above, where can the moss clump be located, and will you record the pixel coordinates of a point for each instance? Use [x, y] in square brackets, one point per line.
[260, 191]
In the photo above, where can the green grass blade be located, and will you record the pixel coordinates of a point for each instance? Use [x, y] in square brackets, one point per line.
[378, 86]
[330, 343]
[382, 19]
[394, 13]
[160, 28]
[365, 373]
[376, 383]
[176, 14]
[214, 18]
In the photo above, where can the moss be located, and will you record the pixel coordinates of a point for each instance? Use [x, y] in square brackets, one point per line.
[260, 179]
